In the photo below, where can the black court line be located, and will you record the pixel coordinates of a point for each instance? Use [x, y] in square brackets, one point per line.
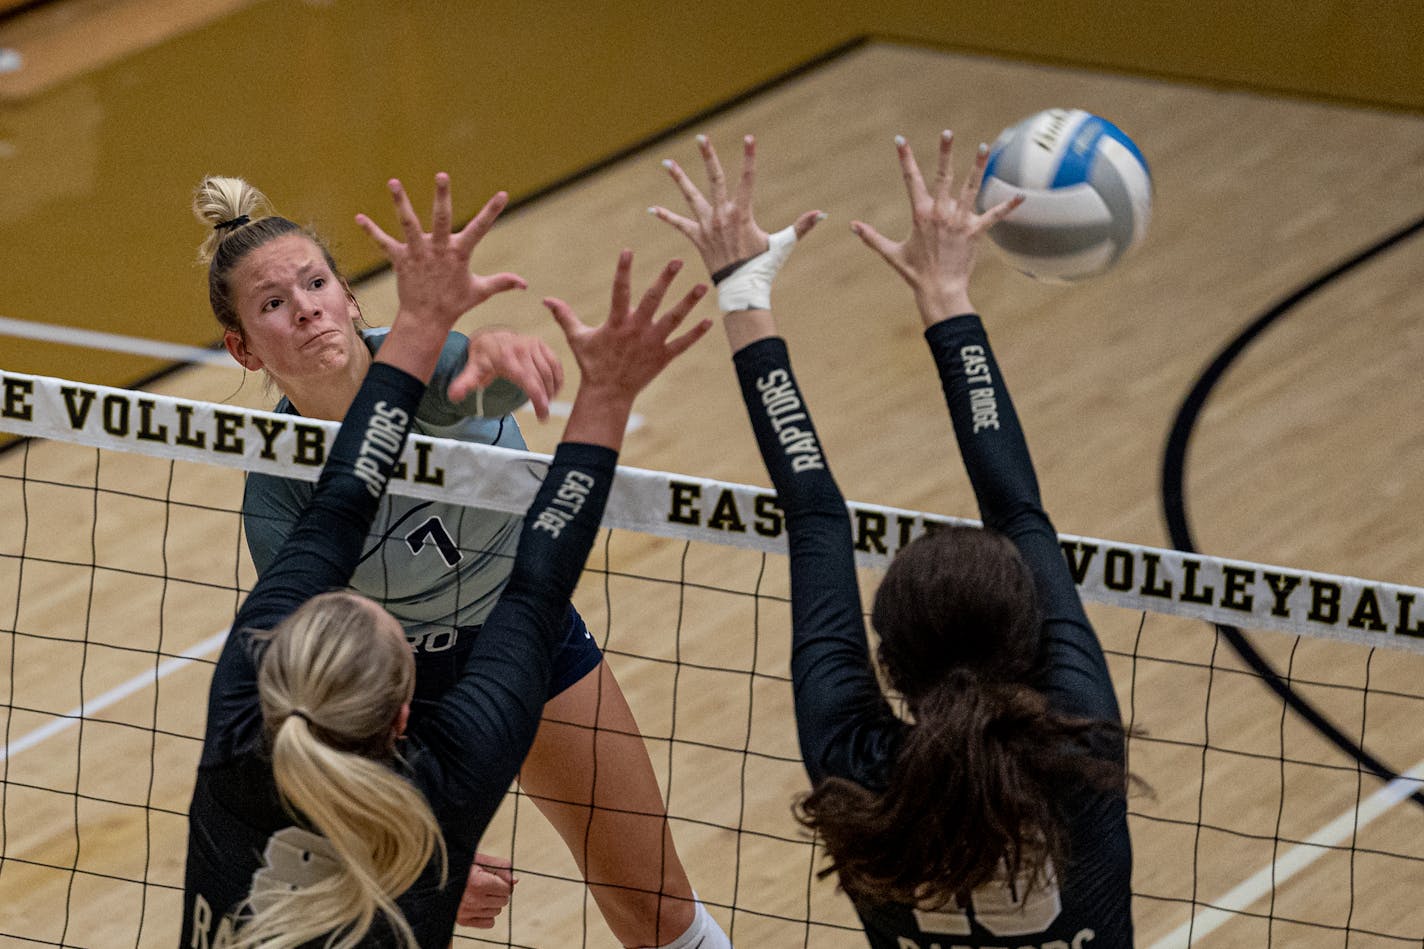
[20, 9]
[1174, 506]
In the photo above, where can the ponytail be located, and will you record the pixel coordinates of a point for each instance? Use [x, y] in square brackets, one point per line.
[332, 683]
[971, 796]
[972, 791]
[225, 205]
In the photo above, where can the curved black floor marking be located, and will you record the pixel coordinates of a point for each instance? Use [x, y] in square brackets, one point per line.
[1174, 508]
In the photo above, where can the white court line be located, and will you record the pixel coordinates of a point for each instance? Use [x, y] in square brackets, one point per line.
[1293, 861]
[562, 409]
[114, 695]
[113, 342]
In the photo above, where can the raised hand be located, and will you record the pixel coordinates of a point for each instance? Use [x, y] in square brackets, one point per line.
[526, 361]
[938, 256]
[617, 359]
[625, 353]
[722, 227]
[433, 277]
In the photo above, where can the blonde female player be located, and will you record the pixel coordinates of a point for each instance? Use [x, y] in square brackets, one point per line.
[997, 816]
[439, 567]
[323, 809]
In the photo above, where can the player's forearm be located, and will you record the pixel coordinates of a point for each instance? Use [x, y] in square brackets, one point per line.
[835, 690]
[413, 345]
[599, 416]
[986, 425]
[563, 521]
[943, 301]
[496, 703]
[781, 421]
[744, 327]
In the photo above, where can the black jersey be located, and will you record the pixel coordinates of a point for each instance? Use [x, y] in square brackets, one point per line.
[238, 827]
[845, 725]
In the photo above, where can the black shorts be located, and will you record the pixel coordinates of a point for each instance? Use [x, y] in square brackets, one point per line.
[576, 657]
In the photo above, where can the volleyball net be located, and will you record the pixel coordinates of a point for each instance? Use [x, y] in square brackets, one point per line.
[122, 560]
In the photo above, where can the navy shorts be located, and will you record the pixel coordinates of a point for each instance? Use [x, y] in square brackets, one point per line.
[576, 657]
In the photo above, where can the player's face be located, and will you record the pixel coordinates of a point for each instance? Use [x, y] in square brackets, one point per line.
[297, 318]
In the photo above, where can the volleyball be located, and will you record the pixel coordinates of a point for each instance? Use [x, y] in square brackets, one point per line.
[1088, 190]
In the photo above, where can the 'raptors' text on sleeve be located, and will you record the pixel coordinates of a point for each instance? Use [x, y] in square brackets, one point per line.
[982, 402]
[385, 434]
[786, 414]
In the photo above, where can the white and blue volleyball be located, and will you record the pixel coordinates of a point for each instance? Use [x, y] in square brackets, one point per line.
[1088, 189]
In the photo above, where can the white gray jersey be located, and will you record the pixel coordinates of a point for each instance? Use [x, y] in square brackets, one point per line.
[435, 565]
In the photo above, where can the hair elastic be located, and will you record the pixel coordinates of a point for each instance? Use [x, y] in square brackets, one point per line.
[302, 714]
[236, 222]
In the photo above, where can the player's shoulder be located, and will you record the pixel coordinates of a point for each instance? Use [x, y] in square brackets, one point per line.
[456, 343]
[268, 493]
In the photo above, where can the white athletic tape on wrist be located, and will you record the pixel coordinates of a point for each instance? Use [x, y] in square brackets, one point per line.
[749, 286]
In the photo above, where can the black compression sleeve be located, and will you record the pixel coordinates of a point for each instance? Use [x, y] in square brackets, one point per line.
[996, 457]
[985, 423]
[561, 524]
[321, 551]
[784, 431]
[496, 704]
[843, 722]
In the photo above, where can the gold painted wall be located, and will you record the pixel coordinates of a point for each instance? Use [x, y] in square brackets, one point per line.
[318, 102]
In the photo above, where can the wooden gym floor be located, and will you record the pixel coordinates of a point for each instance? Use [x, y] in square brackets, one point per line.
[1305, 457]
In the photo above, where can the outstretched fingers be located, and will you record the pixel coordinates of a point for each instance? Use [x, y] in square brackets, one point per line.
[672, 319]
[632, 346]
[405, 213]
[653, 296]
[882, 245]
[565, 316]
[472, 233]
[694, 198]
[498, 283]
[944, 174]
[969, 193]
[999, 211]
[622, 286]
[440, 209]
[716, 178]
[910, 170]
[746, 184]
[688, 227]
[808, 219]
[388, 244]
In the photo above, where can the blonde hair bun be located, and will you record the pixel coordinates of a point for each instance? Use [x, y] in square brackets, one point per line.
[218, 202]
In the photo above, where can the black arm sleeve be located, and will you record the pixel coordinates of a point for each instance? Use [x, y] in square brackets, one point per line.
[996, 456]
[845, 726]
[321, 551]
[474, 742]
